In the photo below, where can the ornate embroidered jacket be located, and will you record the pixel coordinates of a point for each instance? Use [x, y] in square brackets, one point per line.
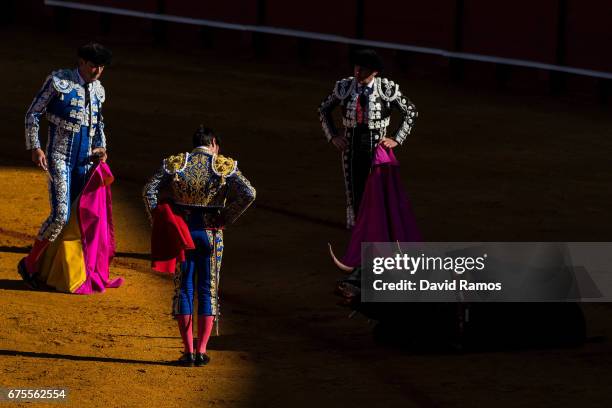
[201, 179]
[69, 104]
[383, 97]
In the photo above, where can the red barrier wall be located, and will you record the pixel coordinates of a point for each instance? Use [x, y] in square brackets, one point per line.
[234, 11]
[323, 16]
[521, 29]
[33, 13]
[427, 24]
[149, 6]
[589, 35]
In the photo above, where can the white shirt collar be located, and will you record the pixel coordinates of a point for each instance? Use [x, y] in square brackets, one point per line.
[205, 148]
[368, 85]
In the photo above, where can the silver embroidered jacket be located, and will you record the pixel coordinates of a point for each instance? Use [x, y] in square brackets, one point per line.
[385, 96]
[65, 103]
[201, 179]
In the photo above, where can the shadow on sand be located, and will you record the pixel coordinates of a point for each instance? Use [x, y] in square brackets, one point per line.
[31, 354]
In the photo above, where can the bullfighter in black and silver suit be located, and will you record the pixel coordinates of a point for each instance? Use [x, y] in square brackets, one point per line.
[366, 101]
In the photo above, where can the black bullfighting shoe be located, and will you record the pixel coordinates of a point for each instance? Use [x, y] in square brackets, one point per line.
[186, 360]
[201, 359]
[29, 280]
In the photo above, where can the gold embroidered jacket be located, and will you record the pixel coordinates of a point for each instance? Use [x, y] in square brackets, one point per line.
[201, 179]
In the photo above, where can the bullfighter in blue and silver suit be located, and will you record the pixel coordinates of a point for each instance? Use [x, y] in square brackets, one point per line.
[209, 192]
[71, 100]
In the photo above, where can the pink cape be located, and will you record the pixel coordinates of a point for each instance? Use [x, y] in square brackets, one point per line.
[97, 233]
[385, 213]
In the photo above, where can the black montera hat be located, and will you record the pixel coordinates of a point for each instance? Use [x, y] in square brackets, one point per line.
[367, 58]
[96, 53]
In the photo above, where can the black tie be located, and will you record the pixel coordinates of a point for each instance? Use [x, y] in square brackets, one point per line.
[87, 103]
[363, 98]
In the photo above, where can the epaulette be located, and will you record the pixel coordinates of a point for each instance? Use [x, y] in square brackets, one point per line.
[63, 80]
[175, 164]
[388, 90]
[224, 166]
[98, 89]
[344, 87]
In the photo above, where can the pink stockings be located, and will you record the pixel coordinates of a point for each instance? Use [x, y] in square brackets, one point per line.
[205, 325]
[185, 324]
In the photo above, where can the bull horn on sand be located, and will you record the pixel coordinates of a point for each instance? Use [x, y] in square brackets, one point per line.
[339, 264]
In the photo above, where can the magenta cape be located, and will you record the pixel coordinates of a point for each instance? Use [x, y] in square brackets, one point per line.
[78, 260]
[385, 213]
[97, 232]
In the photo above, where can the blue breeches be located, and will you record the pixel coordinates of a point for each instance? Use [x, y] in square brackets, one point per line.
[200, 273]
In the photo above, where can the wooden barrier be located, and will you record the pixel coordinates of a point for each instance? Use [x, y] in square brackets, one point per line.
[556, 32]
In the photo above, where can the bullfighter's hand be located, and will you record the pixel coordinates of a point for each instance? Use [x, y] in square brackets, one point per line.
[39, 158]
[388, 143]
